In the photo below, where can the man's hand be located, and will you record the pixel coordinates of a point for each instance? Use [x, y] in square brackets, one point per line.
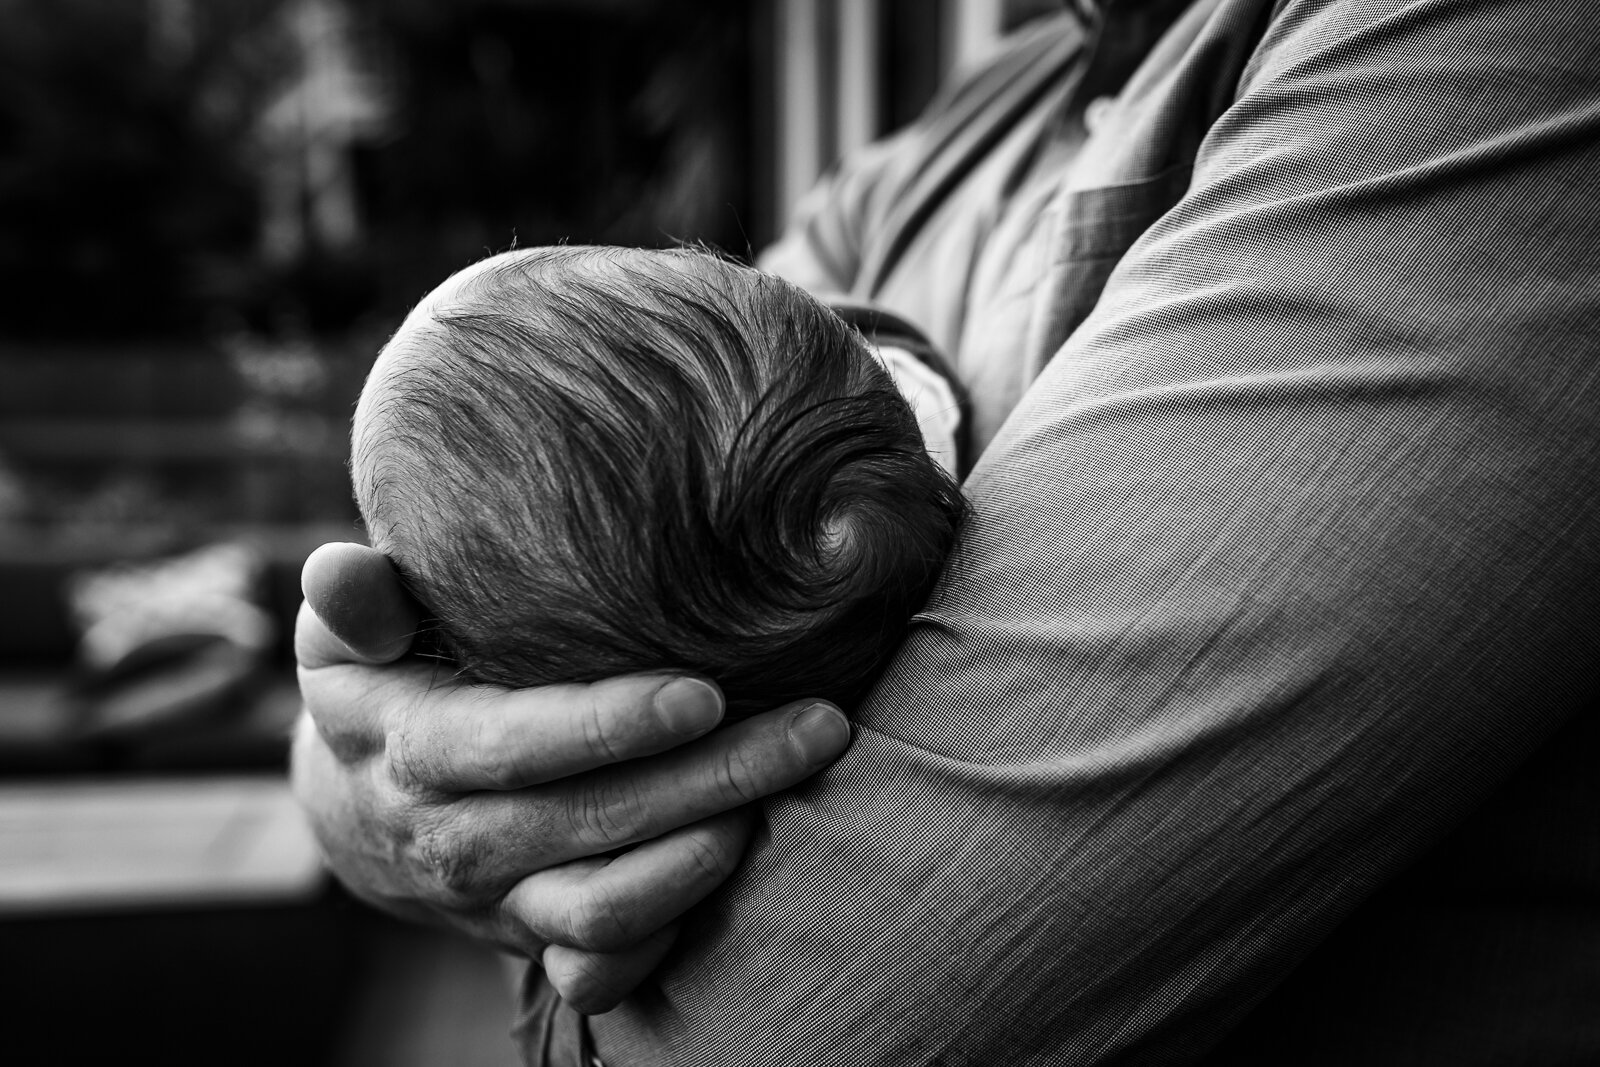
[492, 810]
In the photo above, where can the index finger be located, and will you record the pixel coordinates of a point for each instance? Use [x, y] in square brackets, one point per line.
[461, 737]
[453, 737]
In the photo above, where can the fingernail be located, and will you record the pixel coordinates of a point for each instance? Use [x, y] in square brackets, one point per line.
[689, 706]
[819, 734]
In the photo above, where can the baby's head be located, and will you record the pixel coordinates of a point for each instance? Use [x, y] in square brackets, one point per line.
[595, 461]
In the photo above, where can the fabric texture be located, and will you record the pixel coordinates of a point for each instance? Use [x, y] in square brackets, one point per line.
[1258, 705]
[924, 377]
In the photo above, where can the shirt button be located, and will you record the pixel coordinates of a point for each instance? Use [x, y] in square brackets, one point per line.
[1099, 109]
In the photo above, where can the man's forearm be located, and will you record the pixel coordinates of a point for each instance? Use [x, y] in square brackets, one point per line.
[1283, 564]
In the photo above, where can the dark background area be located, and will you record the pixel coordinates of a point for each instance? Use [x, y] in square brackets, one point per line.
[211, 214]
[135, 156]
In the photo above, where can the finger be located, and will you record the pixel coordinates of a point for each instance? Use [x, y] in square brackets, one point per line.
[358, 596]
[451, 737]
[470, 737]
[728, 769]
[596, 982]
[607, 906]
[482, 843]
[485, 842]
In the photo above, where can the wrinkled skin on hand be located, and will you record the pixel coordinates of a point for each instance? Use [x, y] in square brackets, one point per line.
[573, 824]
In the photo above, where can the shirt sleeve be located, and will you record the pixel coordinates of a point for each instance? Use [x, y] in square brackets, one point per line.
[1285, 562]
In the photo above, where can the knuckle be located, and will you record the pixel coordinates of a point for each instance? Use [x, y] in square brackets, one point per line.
[706, 857]
[597, 921]
[596, 728]
[740, 777]
[404, 754]
[452, 864]
[601, 815]
[496, 756]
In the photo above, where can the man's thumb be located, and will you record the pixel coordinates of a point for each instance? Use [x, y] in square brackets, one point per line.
[357, 594]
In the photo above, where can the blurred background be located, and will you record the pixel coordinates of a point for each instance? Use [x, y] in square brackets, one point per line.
[212, 213]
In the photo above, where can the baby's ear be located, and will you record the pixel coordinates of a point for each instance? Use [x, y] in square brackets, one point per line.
[357, 594]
